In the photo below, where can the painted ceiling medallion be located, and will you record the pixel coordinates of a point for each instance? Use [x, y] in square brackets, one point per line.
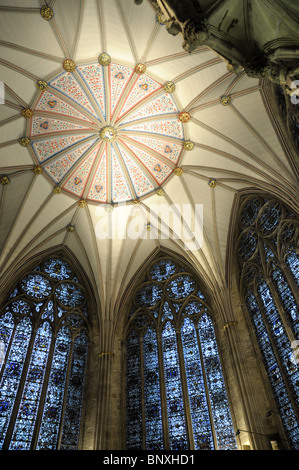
[184, 116]
[106, 138]
[25, 141]
[104, 58]
[169, 87]
[4, 180]
[188, 145]
[41, 85]
[178, 171]
[108, 134]
[27, 113]
[37, 170]
[225, 100]
[69, 65]
[140, 68]
[212, 183]
[46, 13]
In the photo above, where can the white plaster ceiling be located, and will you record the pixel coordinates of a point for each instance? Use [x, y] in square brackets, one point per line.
[237, 145]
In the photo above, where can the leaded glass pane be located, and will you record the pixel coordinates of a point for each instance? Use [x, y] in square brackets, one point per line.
[134, 394]
[48, 434]
[202, 430]
[171, 396]
[174, 393]
[12, 373]
[36, 286]
[45, 360]
[271, 302]
[72, 414]
[219, 402]
[153, 416]
[24, 424]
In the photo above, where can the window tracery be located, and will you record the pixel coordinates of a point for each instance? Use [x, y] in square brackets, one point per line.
[44, 328]
[269, 278]
[176, 397]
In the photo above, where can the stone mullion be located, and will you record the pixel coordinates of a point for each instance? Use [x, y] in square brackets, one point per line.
[65, 394]
[292, 284]
[166, 442]
[185, 390]
[142, 394]
[276, 353]
[280, 308]
[19, 394]
[39, 414]
[206, 388]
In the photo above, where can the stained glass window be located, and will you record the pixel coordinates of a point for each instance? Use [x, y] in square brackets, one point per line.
[43, 326]
[176, 395]
[270, 276]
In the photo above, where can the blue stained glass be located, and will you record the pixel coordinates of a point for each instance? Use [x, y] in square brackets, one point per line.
[36, 286]
[153, 415]
[48, 434]
[6, 330]
[25, 421]
[174, 392]
[287, 299]
[72, 415]
[247, 245]
[134, 399]
[12, 373]
[280, 392]
[250, 212]
[162, 270]
[148, 295]
[69, 294]
[180, 287]
[166, 313]
[219, 402]
[280, 337]
[292, 261]
[57, 269]
[202, 431]
[270, 218]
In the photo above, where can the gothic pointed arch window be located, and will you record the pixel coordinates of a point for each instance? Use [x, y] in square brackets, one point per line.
[44, 331]
[269, 276]
[176, 395]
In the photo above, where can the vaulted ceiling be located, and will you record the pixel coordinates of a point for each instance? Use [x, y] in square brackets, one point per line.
[66, 184]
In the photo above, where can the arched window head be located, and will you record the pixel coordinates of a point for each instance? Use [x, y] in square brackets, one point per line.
[176, 396]
[269, 277]
[44, 335]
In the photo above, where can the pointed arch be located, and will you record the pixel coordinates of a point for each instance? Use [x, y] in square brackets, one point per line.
[266, 262]
[46, 329]
[172, 350]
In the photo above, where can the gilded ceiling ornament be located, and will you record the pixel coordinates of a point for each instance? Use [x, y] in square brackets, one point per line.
[25, 141]
[37, 170]
[104, 58]
[188, 145]
[57, 190]
[184, 116]
[212, 183]
[82, 203]
[148, 226]
[27, 113]
[46, 13]
[136, 202]
[70, 228]
[41, 85]
[108, 134]
[140, 68]
[169, 87]
[69, 65]
[160, 192]
[225, 100]
[178, 171]
[160, 20]
[4, 180]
